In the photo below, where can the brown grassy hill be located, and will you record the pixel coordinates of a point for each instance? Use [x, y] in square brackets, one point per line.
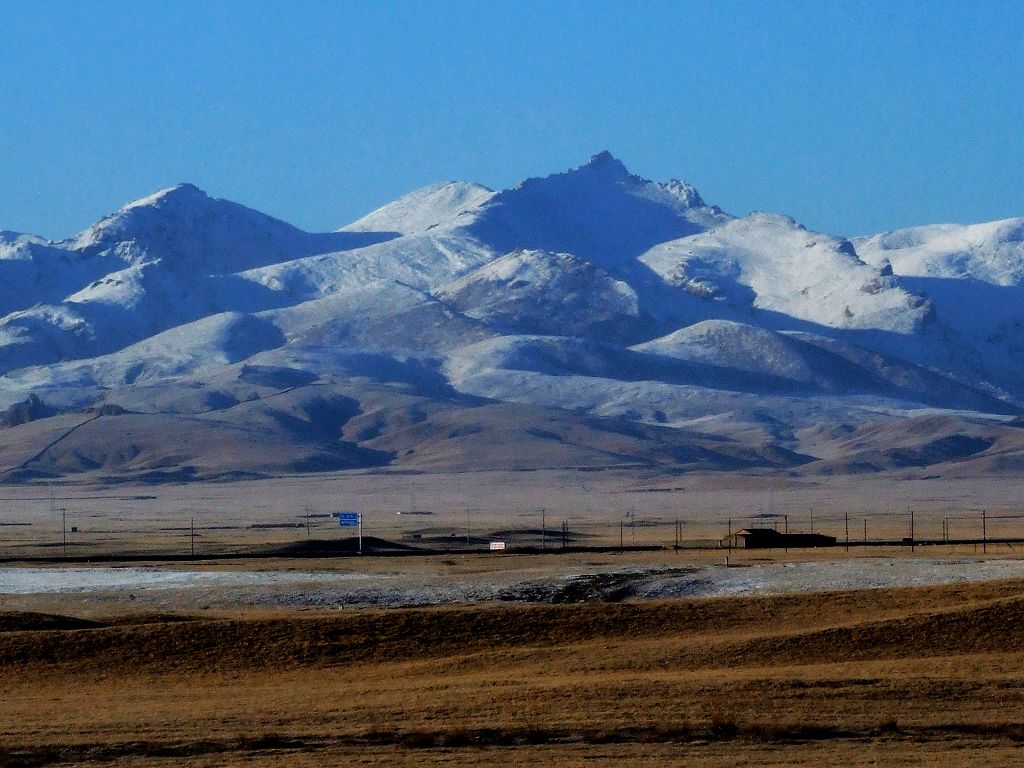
[325, 427]
[917, 674]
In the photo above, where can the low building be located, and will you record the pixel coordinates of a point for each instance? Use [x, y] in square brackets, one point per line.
[769, 538]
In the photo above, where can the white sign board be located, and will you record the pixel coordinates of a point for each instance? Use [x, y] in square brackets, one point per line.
[497, 545]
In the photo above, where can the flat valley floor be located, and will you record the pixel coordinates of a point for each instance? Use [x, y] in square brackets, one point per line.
[793, 674]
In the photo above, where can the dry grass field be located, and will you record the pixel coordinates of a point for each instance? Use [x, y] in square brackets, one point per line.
[917, 676]
[243, 516]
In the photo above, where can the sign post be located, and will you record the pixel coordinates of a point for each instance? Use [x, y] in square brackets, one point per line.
[352, 520]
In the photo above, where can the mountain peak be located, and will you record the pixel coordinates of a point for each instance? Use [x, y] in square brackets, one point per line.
[604, 160]
[182, 225]
[178, 194]
[424, 209]
[599, 211]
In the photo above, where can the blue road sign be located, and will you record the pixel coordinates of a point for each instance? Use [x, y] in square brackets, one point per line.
[348, 519]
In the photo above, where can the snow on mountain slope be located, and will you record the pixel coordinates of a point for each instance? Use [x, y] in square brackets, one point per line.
[913, 382]
[424, 209]
[992, 252]
[819, 363]
[560, 356]
[599, 211]
[33, 271]
[119, 309]
[974, 276]
[206, 343]
[186, 228]
[771, 263]
[161, 261]
[115, 293]
[11, 241]
[384, 315]
[747, 348]
[325, 334]
[758, 416]
[540, 292]
[423, 261]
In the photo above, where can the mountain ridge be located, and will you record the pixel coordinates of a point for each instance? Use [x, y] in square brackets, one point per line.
[592, 293]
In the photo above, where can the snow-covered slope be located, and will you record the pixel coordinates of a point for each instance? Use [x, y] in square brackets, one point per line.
[758, 350]
[769, 262]
[992, 252]
[424, 261]
[424, 209]
[33, 271]
[547, 293]
[974, 277]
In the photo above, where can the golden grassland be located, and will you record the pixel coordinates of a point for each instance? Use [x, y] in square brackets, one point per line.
[919, 676]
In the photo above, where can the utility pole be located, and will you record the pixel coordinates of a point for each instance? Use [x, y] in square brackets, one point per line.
[984, 532]
[812, 518]
[847, 517]
[192, 536]
[865, 530]
[786, 518]
[729, 545]
[64, 521]
[911, 512]
[621, 545]
[543, 529]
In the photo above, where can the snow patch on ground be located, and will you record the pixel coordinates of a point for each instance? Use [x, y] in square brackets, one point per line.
[167, 587]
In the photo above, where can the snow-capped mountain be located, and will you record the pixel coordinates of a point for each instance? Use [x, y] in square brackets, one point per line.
[589, 304]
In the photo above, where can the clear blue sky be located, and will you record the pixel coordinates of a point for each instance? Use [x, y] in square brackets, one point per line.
[853, 117]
